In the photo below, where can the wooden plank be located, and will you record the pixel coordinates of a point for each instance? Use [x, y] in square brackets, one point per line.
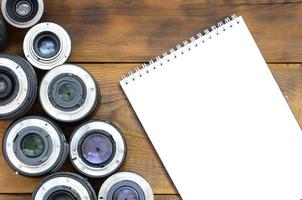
[28, 197]
[141, 156]
[136, 31]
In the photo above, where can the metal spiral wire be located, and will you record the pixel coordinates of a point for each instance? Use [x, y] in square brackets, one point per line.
[184, 44]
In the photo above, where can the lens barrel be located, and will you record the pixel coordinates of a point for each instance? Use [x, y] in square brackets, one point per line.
[34, 146]
[64, 185]
[18, 86]
[47, 45]
[126, 185]
[68, 93]
[3, 33]
[97, 148]
[22, 13]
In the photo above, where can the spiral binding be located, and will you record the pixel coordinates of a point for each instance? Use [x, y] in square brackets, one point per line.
[186, 44]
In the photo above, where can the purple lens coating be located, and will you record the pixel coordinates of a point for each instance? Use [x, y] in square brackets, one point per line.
[125, 193]
[97, 148]
[3, 85]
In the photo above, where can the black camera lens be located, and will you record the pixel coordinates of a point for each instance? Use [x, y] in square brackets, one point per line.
[47, 45]
[64, 186]
[18, 86]
[97, 148]
[34, 146]
[22, 13]
[68, 93]
[3, 33]
[126, 185]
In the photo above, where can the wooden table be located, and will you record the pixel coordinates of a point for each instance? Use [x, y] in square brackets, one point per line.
[111, 37]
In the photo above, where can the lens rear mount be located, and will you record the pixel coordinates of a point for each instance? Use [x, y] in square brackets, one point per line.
[97, 148]
[64, 185]
[22, 13]
[19, 85]
[68, 93]
[47, 45]
[126, 185]
[34, 145]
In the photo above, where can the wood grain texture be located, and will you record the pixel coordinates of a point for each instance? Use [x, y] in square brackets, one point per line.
[141, 157]
[138, 30]
[28, 197]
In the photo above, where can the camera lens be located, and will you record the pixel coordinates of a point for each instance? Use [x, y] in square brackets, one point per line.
[22, 13]
[64, 186]
[68, 93]
[34, 146]
[47, 45]
[126, 185]
[3, 33]
[97, 148]
[18, 86]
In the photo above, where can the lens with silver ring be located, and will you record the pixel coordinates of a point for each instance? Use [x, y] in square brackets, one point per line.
[69, 93]
[34, 146]
[47, 45]
[22, 13]
[18, 86]
[126, 185]
[64, 186]
[97, 148]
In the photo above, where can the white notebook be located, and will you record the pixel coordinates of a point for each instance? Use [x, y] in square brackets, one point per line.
[218, 120]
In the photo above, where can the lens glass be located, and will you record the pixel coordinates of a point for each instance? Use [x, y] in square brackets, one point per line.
[62, 195]
[23, 8]
[125, 193]
[3, 85]
[47, 46]
[67, 92]
[32, 145]
[97, 148]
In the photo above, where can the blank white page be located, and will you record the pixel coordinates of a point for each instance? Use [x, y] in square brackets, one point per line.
[218, 120]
